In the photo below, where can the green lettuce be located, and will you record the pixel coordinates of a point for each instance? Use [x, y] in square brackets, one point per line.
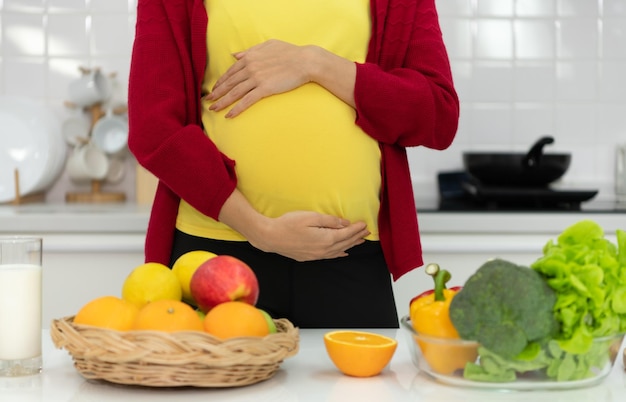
[588, 273]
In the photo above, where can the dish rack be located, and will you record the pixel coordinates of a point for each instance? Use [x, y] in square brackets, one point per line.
[24, 199]
[95, 195]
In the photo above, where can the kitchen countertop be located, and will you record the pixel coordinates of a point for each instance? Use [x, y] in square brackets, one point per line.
[308, 376]
[122, 227]
[132, 218]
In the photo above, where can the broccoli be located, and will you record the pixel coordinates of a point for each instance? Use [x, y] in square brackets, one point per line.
[504, 307]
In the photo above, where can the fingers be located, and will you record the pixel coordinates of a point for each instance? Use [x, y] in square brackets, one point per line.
[267, 69]
[355, 238]
[238, 88]
[343, 236]
[232, 71]
[229, 90]
[331, 222]
[308, 236]
[250, 98]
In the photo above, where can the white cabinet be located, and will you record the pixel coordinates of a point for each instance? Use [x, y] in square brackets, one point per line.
[89, 249]
[80, 267]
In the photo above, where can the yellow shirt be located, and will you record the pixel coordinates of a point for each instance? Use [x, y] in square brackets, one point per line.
[299, 150]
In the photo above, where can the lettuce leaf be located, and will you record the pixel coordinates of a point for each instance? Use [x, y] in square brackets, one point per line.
[588, 272]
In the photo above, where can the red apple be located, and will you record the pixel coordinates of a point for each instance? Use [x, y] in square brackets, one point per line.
[221, 279]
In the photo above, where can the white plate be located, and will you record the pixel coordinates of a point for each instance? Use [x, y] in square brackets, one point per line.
[31, 142]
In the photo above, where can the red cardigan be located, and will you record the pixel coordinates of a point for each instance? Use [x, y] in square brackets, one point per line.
[404, 97]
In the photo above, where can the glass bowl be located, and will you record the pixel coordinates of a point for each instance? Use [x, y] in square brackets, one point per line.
[458, 362]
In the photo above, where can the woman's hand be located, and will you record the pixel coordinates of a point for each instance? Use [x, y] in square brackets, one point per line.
[275, 67]
[300, 235]
[266, 69]
[308, 236]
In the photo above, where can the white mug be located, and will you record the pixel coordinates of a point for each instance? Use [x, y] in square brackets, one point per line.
[86, 163]
[116, 171]
[76, 129]
[91, 88]
[110, 134]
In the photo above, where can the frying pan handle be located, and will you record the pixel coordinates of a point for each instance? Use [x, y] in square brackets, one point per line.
[533, 157]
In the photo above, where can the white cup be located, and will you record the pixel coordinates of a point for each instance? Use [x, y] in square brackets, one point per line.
[116, 171]
[20, 305]
[91, 88]
[110, 134]
[87, 163]
[76, 129]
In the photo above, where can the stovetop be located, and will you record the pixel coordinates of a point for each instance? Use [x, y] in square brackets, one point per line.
[458, 191]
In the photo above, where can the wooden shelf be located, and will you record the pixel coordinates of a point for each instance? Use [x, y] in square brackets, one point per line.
[95, 195]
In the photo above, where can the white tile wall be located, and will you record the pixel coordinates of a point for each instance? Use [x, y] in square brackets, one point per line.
[526, 68]
[523, 69]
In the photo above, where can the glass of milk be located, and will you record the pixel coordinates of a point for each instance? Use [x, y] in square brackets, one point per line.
[20, 305]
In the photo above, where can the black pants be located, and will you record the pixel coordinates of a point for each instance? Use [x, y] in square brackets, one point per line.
[345, 292]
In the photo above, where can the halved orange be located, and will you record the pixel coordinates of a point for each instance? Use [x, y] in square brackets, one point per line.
[359, 353]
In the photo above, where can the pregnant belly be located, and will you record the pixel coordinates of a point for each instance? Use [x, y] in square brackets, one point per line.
[302, 151]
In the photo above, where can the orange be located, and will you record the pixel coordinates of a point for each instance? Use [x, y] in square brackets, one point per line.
[168, 316]
[108, 312]
[358, 353]
[234, 318]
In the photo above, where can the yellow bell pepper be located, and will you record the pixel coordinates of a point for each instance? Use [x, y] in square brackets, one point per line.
[430, 316]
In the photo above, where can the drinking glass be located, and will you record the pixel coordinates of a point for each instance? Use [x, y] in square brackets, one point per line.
[20, 305]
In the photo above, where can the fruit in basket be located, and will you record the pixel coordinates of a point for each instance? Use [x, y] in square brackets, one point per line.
[221, 279]
[109, 312]
[168, 316]
[234, 319]
[184, 268]
[358, 353]
[150, 282]
[270, 321]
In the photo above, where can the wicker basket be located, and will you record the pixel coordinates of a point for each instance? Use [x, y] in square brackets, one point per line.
[159, 359]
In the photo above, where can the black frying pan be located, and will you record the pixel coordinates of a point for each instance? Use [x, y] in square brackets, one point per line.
[533, 168]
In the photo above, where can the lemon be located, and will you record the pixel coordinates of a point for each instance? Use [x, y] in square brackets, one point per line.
[149, 282]
[184, 268]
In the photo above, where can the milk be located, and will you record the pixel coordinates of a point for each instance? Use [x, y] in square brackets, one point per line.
[20, 311]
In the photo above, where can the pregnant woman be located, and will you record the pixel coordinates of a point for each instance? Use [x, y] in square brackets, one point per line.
[278, 131]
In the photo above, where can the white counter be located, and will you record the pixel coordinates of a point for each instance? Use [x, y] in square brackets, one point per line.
[123, 226]
[308, 376]
[131, 218]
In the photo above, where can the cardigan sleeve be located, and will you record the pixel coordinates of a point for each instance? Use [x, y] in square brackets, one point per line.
[404, 92]
[165, 132]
